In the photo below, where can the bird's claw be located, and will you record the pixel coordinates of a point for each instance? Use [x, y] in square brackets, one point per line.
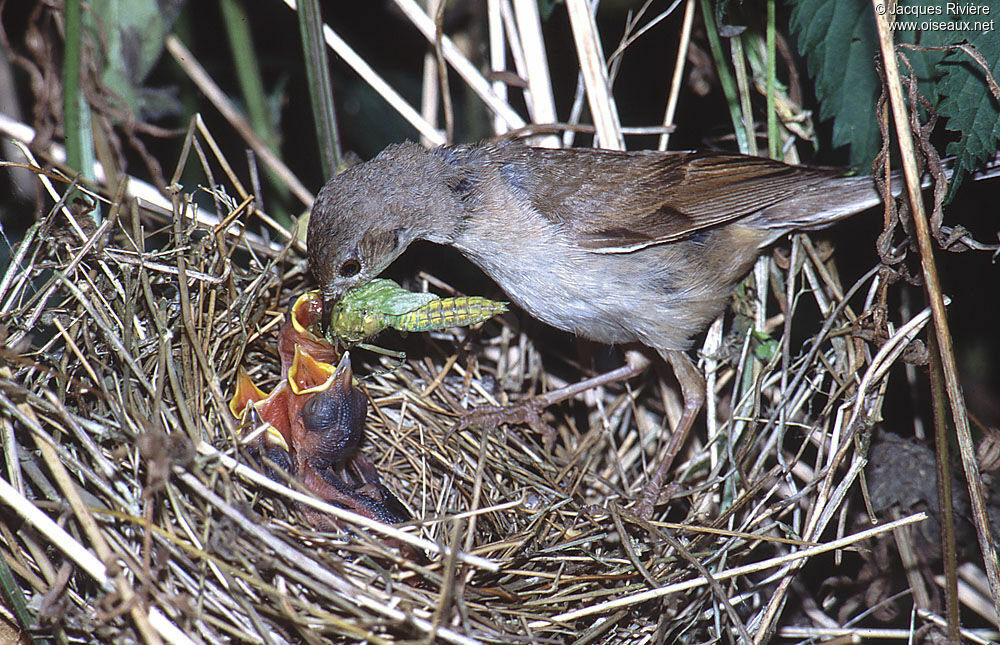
[526, 413]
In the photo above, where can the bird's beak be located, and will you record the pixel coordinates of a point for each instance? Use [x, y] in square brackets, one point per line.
[343, 378]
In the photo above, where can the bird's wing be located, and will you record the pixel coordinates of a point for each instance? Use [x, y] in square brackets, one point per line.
[615, 202]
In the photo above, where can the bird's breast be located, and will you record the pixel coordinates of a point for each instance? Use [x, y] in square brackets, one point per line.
[660, 296]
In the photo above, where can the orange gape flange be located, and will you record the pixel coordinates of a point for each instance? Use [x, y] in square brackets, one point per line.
[310, 427]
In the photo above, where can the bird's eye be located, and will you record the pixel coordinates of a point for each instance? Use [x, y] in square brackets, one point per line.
[350, 268]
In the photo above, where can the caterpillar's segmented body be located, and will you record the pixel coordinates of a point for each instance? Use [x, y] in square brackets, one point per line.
[371, 308]
[445, 313]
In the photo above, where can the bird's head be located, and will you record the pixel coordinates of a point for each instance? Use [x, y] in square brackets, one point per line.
[366, 216]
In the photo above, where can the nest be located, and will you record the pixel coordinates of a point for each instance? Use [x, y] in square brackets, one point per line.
[138, 513]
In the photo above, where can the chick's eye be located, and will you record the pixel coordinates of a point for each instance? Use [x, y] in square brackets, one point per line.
[350, 268]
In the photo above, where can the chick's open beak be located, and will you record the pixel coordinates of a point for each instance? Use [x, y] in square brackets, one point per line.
[330, 298]
[343, 377]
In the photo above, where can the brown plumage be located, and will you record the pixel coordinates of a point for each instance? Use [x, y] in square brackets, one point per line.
[616, 247]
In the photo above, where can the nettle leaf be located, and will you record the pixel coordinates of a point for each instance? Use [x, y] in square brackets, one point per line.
[972, 112]
[132, 34]
[839, 41]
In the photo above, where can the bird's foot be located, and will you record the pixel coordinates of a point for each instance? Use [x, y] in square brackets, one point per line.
[692, 383]
[529, 411]
[653, 496]
[526, 413]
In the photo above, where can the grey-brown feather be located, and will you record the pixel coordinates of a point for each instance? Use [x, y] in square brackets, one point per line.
[616, 247]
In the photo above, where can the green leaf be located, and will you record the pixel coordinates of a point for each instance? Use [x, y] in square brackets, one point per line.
[972, 112]
[546, 7]
[765, 348]
[79, 140]
[838, 39]
[135, 32]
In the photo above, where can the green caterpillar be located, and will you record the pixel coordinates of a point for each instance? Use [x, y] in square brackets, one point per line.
[370, 308]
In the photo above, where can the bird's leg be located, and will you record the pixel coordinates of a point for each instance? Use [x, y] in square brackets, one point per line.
[693, 390]
[529, 412]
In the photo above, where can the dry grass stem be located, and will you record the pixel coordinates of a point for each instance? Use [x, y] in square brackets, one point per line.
[139, 515]
[136, 356]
